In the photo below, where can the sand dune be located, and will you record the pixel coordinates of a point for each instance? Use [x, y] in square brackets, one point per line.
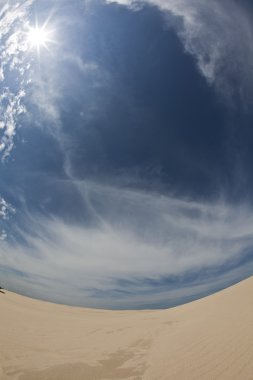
[211, 338]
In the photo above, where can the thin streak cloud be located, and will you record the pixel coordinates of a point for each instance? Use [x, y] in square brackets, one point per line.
[139, 238]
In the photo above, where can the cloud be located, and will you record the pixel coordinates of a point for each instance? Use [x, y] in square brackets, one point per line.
[6, 210]
[137, 245]
[14, 67]
[218, 34]
[10, 107]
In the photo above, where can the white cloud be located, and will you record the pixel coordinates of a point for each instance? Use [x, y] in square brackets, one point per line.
[5, 211]
[3, 235]
[137, 237]
[10, 107]
[219, 35]
[13, 21]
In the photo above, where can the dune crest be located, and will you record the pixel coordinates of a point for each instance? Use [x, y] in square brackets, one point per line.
[211, 338]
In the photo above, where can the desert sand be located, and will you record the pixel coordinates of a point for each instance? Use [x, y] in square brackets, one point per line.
[211, 338]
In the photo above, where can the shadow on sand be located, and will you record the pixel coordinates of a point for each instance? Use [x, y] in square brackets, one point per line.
[1, 290]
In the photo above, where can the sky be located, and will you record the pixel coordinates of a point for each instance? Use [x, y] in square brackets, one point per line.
[126, 150]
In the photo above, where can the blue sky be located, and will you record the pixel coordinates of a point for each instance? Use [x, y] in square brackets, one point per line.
[126, 150]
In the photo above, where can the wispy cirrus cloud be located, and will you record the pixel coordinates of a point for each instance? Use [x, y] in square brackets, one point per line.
[141, 245]
[218, 35]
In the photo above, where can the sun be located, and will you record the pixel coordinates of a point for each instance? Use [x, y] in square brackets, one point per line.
[38, 37]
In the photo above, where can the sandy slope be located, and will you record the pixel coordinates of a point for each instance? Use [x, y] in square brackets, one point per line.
[208, 339]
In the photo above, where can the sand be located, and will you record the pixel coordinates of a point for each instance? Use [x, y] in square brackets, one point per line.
[211, 338]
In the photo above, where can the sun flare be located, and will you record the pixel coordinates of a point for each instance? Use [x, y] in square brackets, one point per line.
[37, 37]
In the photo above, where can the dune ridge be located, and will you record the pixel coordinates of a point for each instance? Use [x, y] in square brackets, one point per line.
[211, 338]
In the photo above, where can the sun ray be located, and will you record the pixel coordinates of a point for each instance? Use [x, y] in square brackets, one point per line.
[39, 36]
